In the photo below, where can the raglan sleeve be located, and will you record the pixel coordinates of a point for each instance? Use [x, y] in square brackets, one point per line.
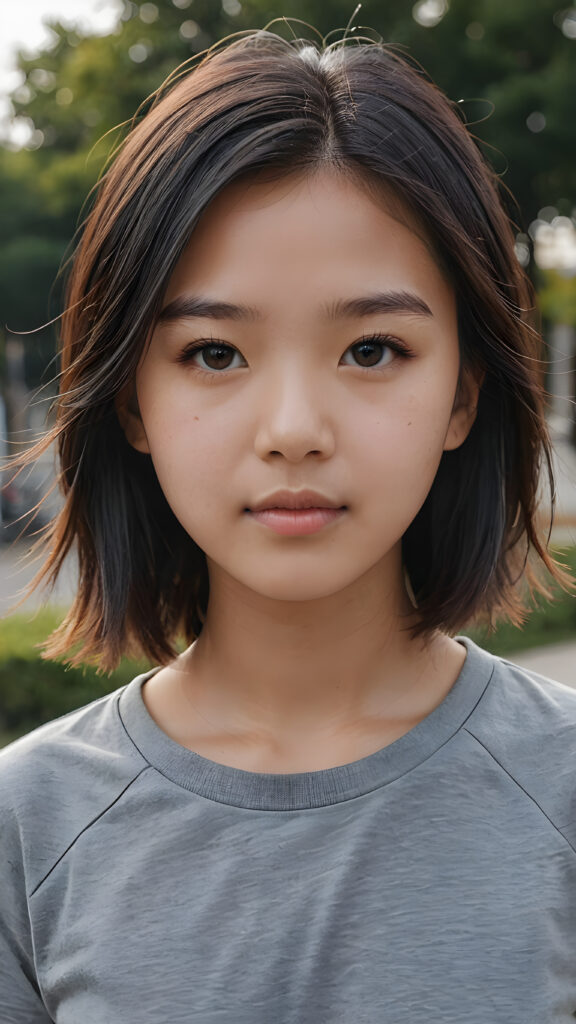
[21, 1001]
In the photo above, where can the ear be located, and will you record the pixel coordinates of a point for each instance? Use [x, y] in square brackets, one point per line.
[128, 412]
[465, 407]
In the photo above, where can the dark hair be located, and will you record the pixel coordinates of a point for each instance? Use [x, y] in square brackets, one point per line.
[261, 102]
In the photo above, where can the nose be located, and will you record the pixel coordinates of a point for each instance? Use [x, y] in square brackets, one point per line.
[295, 418]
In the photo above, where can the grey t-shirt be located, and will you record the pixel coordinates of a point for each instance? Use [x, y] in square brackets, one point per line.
[433, 881]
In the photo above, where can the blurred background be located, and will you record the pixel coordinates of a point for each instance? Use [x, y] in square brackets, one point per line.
[72, 75]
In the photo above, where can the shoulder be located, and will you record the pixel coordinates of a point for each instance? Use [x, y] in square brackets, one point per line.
[57, 779]
[526, 722]
[520, 699]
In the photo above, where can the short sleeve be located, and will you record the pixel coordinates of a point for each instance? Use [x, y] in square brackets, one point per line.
[20, 998]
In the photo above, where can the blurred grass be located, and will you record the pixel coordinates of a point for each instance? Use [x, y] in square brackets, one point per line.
[34, 691]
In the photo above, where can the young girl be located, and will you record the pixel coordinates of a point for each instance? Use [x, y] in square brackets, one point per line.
[301, 425]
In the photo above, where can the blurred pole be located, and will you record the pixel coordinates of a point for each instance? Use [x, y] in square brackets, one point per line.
[3, 452]
[562, 350]
[573, 379]
[16, 394]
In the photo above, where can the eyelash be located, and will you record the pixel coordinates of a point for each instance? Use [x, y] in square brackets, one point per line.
[389, 342]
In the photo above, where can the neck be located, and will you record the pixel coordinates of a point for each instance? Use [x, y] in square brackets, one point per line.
[281, 669]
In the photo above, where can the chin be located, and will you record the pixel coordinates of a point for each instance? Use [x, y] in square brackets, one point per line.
[297, 585]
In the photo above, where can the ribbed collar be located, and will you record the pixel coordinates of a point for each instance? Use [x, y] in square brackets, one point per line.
[305, 790]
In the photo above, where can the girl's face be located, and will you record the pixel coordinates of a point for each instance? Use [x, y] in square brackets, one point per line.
[337, 372]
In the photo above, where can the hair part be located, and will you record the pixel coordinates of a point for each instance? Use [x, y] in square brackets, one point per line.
[266, 106]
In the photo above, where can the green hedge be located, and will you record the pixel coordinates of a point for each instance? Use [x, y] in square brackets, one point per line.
[34, 691]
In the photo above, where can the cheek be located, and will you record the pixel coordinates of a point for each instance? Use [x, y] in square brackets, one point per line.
[193, 454]
[405, 449]
[414, 426]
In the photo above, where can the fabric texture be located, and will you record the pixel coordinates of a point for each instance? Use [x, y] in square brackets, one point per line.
[434, 880]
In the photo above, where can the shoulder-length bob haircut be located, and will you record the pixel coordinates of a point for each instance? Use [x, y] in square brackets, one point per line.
[257, 102]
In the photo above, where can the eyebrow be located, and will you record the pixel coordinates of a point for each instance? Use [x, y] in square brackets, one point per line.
[188, 307]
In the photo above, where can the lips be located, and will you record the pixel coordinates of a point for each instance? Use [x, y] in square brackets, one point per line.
[295, 500]
[296, 522]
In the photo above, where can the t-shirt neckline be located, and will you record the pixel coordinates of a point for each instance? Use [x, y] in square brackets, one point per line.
[305, 790]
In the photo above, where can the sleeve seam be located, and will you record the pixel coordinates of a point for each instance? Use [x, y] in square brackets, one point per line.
[86, 827]
[521, 787]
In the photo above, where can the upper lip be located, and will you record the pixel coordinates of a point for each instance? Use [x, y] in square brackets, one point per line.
[295, 499]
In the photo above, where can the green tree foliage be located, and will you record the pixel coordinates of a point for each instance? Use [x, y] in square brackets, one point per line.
[512, 66]
[558, 297]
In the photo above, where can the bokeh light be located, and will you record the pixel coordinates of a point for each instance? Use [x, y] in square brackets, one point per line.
[429, 12]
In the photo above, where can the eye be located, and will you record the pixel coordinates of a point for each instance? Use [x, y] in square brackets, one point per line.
[216, 355]
[378, 351]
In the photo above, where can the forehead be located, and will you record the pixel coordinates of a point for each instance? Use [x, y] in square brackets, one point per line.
[306, 232]
[327, 188]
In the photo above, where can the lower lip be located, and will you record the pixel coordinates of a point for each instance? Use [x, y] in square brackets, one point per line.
[297, 522]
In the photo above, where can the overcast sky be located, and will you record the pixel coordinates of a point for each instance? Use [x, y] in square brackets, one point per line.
[22, 26]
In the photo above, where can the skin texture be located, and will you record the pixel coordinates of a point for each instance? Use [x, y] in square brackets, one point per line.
[304, 661]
